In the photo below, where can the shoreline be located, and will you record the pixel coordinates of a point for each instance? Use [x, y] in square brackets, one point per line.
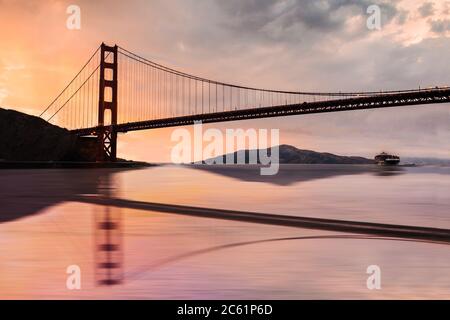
[142, 164]
[71, 164]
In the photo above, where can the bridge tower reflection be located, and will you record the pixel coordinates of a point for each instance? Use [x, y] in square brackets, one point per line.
[108, 238]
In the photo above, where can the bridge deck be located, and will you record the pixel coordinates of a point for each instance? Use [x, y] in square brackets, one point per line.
[432, 96]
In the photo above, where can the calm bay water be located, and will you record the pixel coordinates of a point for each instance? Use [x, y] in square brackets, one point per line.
[47, 223]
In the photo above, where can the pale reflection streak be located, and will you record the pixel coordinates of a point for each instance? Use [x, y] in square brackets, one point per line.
[136, 275]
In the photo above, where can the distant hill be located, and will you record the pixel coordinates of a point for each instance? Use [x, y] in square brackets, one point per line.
[29, 138]
[292, 155]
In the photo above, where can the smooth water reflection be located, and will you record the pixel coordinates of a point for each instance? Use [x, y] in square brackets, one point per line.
[46, 228]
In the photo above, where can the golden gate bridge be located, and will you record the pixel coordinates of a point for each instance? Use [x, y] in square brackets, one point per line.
[119, 91]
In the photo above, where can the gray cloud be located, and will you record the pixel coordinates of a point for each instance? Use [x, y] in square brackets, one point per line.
[427, 9]
[440, 26]
[402, 16]
[294, 19]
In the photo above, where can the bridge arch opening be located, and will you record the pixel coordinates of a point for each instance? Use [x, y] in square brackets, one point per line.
[108, 94]
[107, 117]
[109, 74]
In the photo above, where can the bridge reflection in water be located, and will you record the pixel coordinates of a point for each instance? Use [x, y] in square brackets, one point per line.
[22, 197]
[108, 238]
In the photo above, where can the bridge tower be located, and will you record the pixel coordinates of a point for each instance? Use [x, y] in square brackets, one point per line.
[107, 136]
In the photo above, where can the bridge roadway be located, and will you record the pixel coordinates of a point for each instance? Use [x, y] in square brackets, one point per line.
[419, 97]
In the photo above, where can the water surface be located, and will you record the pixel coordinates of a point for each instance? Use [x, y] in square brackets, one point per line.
[45, 226]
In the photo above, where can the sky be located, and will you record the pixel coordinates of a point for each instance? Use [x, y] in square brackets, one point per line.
[321, 45]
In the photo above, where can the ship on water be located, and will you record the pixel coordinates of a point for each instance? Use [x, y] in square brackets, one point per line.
[385, 159]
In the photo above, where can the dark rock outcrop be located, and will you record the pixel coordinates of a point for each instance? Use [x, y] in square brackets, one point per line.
[29, 138]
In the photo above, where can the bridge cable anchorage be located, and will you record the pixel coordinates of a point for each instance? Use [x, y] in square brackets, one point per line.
[134, 93]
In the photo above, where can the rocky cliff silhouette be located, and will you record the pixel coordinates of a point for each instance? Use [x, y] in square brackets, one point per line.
[29, 138]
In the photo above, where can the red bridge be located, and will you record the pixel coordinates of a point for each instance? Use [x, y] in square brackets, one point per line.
[119, 91]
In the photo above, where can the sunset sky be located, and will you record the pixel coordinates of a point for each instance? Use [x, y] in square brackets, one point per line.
[288, 45]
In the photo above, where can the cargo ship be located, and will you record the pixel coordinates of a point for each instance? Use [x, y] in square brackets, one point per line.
[385, 159]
